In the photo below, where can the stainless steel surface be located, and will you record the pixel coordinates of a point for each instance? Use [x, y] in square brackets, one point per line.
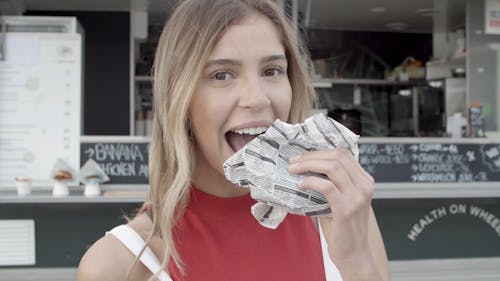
[362, 81]
[47, 198]
[436, 190]
[466, 269]
[463, 269]
[455, 96]
[416, 112]
[38, 274]
[322, 13]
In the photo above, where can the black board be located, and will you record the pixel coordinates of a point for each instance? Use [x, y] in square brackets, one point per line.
[123, 162]
[431, 162]
[127, 162]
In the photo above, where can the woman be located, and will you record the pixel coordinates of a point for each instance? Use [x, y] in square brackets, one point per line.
[224, 71]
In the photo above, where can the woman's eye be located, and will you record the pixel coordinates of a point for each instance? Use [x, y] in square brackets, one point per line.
[274, 71]
[222, 75]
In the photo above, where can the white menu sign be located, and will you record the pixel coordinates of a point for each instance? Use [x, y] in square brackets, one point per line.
[492, 16]
[40, 99]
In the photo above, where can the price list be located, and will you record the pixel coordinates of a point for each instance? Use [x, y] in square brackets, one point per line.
[431, 162]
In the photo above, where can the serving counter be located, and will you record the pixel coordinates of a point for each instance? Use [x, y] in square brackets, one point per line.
[437, 202]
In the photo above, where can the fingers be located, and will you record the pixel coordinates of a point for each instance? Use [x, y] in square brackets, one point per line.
[339, 166]
[342, 154]
[323, 186]
[358, 175]
[348, 189]
[333, 169]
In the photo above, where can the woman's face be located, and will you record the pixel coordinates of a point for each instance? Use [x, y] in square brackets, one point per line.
[243, 89]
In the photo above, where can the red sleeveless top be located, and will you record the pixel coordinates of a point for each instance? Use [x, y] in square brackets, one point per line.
[219, 239]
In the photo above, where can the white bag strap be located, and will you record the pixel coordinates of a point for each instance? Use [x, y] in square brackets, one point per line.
[134, 242]
[331, 271]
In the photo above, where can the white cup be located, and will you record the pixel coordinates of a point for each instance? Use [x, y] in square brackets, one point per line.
[92, 189]
[60, 189]
[23, 186]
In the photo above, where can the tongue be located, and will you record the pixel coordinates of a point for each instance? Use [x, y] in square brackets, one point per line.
[237, 141]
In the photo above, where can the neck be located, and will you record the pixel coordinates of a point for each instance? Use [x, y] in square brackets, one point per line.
[213, 182]
[220, 190]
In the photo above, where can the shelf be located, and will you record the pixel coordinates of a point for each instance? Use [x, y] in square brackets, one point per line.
[382, 191]
[407, 190]
[143, 78]
[45, 197]
[329, 82]
[458, 60]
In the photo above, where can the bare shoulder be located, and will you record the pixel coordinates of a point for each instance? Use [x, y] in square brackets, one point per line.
[109, 259]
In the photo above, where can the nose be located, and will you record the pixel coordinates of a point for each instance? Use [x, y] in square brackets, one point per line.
[253, 95]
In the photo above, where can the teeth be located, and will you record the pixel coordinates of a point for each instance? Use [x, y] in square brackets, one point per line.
[251, 131]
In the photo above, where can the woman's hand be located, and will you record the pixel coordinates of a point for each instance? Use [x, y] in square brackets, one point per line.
[348, 189]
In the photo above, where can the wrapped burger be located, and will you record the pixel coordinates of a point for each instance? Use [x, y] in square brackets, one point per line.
[62, 173]
[92, 175]
[262, 166]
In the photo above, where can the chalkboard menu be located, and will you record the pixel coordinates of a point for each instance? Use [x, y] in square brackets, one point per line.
[123, 162]
[126, 161]
[431, 162]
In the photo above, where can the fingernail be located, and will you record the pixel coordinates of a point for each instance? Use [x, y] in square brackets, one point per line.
[301, 185]
[294, 159]
[292, 167]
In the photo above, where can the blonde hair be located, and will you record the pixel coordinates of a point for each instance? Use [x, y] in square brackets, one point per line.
[185, 44]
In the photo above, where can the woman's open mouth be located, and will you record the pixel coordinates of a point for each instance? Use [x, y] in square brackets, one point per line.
[239, 138]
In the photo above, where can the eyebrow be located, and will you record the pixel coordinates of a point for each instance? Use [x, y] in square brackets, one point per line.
[219, 62]
[273, 58]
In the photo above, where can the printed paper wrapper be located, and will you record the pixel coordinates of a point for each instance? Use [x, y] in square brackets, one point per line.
[262, 166]
[91, 172]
